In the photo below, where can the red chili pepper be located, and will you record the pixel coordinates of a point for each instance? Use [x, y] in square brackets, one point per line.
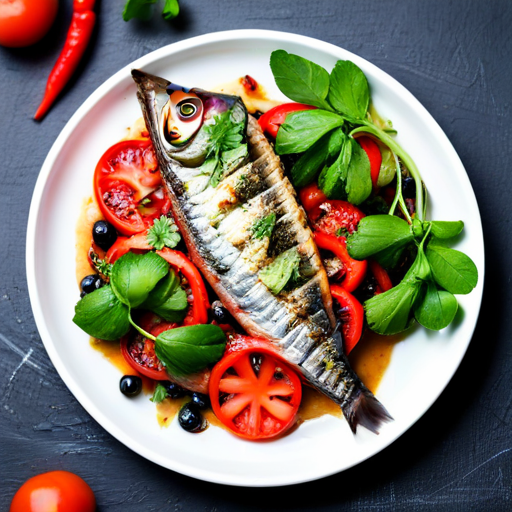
[374, 155]
[79, 34]
[352, 317]
[355, 270]
[381, 276]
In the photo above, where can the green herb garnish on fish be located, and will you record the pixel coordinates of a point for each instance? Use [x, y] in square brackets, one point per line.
[264, 226]
[163, 233]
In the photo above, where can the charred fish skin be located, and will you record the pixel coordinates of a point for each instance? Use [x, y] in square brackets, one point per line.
[217, 224]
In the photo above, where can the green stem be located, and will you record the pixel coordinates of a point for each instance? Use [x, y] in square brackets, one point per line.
[406, 159]
[140, 329]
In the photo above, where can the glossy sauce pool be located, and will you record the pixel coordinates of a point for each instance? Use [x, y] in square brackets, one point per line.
[369, 359]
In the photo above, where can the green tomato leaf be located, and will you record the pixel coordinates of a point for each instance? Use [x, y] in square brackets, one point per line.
[379, 236]
[348, 91]
[452, 270]
[285, 267]
[302, 129]
[171, 9]
[187, 350]
[174, 309]
[446, 229]
[159, 394]
[322, 152]
[359, 181]
[141, 9]
[437, 308]
[300, 79]
[135, 275]
[102, 315]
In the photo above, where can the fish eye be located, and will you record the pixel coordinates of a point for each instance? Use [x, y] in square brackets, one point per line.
[187, 109]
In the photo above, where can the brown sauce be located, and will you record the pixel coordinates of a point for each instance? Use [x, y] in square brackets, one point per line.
[369, 359]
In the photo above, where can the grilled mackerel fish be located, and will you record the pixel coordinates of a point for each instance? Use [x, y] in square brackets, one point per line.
[245, 231]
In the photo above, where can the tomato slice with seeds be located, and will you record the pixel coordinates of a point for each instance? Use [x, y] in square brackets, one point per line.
[128, 186]
[253, 391]
[335, 217]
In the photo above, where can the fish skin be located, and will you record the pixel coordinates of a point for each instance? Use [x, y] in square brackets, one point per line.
[216, 226]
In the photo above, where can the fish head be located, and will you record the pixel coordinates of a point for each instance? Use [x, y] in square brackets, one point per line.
[177, 117]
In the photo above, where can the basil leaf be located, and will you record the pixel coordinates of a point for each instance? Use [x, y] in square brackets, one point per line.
[187, 350]
[135, 275]
[452, 270]
[437, 308]
[390, 312]
[159, 395]
[164, 289]
[359, 181]
[276, 275]
[141, 9]
[300, 79]
[171, 9]
[102, 315]
[263, 227]
[348, 91]
[446, 229]
[302, 129]
[333, 179]
[379, 236]
[321, 153]
[174, 309]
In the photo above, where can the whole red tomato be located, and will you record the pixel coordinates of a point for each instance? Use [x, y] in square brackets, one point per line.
[24, 22]
[56, 491]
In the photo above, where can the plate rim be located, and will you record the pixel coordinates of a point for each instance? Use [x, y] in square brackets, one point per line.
[38, 194]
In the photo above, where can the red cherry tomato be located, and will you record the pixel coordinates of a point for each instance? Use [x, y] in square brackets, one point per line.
[24, 22]
[253, 391]
[311, 197]
[271, 121]
[374, 155]
[351, 316]
[56, 491]
[128, 186]
[381, 276]
[335, 217]
[355, 270]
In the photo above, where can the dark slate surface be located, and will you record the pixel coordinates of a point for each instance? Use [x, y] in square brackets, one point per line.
[455, 57]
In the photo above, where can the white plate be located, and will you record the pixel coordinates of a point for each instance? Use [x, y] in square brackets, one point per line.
[421, 366]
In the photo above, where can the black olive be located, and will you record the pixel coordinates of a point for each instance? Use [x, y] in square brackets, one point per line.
[104, 234]
[220, 313]
[409, 188]
[130, 385]
[202, 401]
[91, 283]
[173, 390]
[190, 418]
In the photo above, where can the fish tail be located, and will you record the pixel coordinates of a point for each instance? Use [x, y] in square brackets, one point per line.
[364, 409]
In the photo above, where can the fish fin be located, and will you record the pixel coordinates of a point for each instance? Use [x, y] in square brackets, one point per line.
[364, 409]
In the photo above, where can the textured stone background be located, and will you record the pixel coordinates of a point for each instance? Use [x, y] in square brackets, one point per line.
[455, 57]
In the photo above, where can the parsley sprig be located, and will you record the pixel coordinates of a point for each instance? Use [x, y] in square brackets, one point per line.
[163, 233]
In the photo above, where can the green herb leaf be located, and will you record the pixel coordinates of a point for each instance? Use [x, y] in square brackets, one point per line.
[300, 79]
[159, 395]
[102, 315]
[359, 181]
[302, 129]
[174, 309]
[163, 233]
[437, 308]
[333, 179]
[164, 289]
[100, 265]
[264, 226]
[276, 275]
[348, 91]
[187, 350]
[141, 9]
[387, 170]
[135, 275]
[321, 153]
[380, 236]
[446, 229]
[171, 9]
[452, 270]
[223, 133]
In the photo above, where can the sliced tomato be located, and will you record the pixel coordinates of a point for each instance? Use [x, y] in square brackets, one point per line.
[335, 217]
[139, 353]
[253, 391]
[351, 316]
[374, 155]
[125, 244]
[381, 276]
[355, 270]
[311, 197]
[271, 121]
[128, 186]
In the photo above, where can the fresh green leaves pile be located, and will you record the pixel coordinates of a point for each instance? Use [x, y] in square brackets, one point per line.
[226, 149]
[143, 9]
[325, 137]
[146, 282]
